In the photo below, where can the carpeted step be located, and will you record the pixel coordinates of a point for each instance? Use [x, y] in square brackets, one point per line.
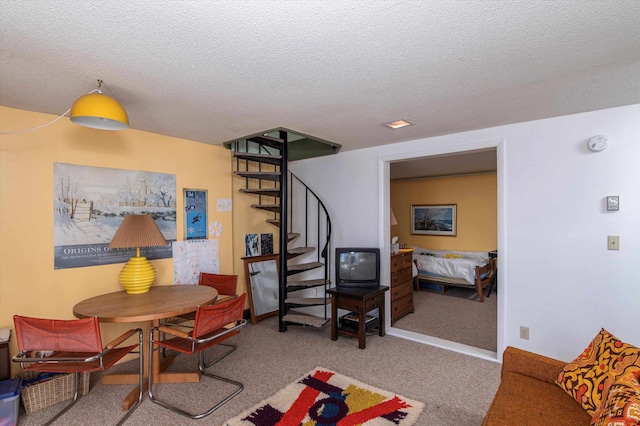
[297, 251]
[270, 192]
[308, 301]
[268, 207]
[272, 176]
[292, 236]
[302, 267]
[304, 319]
[259, 158]
[301, 285]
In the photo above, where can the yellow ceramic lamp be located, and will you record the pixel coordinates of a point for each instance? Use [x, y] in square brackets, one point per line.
[137, 231]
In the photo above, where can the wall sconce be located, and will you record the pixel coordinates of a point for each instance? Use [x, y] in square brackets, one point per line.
[393, 218]
[137, 231]
[99, 111]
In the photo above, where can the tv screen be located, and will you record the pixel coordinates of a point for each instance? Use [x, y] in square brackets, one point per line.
[358, 267]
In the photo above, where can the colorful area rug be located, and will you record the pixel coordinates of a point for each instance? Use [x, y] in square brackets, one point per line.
[323, 397]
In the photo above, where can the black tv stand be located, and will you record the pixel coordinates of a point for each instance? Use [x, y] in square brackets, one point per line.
[360, 301]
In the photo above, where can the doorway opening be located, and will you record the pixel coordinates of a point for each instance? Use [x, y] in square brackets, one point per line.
[445, 161]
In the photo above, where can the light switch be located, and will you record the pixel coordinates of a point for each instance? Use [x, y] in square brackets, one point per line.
[613, 242]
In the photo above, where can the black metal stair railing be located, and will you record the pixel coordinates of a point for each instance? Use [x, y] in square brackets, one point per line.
[309, 217]
[320, 236]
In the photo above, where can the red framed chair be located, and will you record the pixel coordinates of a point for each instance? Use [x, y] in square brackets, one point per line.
[76, 347]
[227, 286]
[213, 325]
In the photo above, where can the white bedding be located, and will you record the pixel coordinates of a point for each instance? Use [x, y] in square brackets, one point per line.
[436, 262]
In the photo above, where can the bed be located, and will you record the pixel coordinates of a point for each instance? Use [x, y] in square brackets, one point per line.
[470, 269]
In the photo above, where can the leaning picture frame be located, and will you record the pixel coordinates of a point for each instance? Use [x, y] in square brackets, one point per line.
[435, 219]
[195, 214]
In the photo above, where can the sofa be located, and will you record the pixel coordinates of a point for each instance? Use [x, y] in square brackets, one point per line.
[528, 393]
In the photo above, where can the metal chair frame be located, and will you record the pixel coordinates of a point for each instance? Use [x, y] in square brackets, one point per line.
[49, 364]
[207, 341]
[225, 290]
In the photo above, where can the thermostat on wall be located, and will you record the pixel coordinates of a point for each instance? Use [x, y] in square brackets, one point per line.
[613, 203]
[598, 143]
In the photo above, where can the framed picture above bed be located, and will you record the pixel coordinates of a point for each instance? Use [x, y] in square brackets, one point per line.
[434, 219]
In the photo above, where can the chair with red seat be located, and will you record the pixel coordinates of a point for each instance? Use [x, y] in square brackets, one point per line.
[226, 285]
[75, 346]
[213, 325]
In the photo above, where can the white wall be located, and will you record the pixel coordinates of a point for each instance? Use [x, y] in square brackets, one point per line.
[556, 275]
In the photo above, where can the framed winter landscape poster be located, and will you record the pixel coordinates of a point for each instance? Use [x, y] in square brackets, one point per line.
[90, 203]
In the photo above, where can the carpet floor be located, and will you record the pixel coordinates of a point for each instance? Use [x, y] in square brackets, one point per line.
[456, 316]
[456, 389]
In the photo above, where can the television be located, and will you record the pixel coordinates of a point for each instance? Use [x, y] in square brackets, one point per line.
[357, 267]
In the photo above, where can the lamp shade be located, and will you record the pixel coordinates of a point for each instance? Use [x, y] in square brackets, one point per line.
[393, 218]
[99, 111]
[137, 231]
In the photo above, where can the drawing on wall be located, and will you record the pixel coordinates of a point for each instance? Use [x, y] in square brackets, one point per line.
[90, 203]
[266, 244]
[192, 257]
[251, 245]
[223, 204]
[195, 214]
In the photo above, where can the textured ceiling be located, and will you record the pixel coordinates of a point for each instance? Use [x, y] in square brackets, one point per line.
[214, 71]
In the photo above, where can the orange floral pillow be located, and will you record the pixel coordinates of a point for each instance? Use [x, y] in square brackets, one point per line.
[588, 377]
[622, 405]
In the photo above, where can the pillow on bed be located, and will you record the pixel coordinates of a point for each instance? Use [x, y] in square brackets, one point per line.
[453, 256]
[588, 377]
[422, 252]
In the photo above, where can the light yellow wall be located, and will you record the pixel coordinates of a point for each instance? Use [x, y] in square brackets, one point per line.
[29, 285]
[477, 214]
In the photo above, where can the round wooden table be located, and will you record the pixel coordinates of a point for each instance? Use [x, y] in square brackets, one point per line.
[148, 308]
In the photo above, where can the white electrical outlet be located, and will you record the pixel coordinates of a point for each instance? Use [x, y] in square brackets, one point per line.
[613, 242]
[524, 333]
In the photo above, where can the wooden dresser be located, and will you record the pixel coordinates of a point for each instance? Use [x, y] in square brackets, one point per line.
[401, 285]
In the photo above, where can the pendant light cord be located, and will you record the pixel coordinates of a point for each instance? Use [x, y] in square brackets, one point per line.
[37, 127]
[47, 124]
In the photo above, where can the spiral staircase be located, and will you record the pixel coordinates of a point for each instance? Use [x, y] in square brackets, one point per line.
[304, 226]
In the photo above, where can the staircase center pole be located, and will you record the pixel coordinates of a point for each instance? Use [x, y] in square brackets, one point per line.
[284, 171]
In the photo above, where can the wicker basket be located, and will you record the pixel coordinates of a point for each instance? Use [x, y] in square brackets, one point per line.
[47, 393]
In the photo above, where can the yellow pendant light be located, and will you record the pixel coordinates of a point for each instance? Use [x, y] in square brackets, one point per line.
[99, 111]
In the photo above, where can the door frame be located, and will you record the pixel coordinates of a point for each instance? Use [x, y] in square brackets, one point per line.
[384, 162]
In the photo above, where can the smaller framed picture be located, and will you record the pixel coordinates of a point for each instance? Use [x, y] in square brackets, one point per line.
[195, 215]
[251, 247]
[266, 244]
[434, 220]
